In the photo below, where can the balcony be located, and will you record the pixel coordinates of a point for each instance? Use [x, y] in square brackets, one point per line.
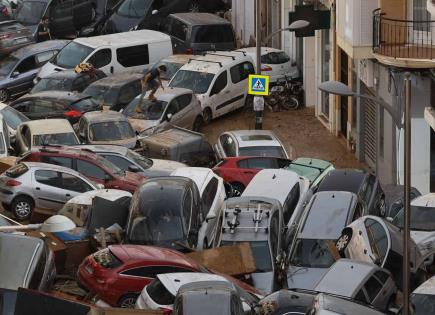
[403, 43]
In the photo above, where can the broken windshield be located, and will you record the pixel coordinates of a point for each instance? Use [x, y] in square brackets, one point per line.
[198, 82]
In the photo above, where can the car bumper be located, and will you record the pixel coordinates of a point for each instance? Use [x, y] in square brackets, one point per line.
[6, 196]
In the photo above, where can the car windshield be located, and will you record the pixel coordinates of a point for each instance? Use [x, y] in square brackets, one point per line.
[134, 8]
[13, 118]
[275, 58]
[198, 82]
[171, 69]
[423, 304]
[103, 94]
[144, 162]
[72, 55]
[48, 84]
[67, 138]
[422, 218]
[270, 151]
[109, 166]
[30, 12]
[111, 131]
[305, 170]
[148, 110]
[261, 253]
[312, 253]
[8, 64]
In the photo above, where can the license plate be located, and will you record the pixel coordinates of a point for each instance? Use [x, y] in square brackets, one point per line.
[89, 269]
[21, 40]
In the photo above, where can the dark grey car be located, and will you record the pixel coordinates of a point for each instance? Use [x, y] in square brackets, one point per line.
[13, 36]
[18, 70]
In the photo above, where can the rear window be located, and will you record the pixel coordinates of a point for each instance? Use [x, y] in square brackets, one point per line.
[17, 170]
[212, 34]
[270, 151]
[275, 58]
[158, 293]
[85, 104]
[133, 56]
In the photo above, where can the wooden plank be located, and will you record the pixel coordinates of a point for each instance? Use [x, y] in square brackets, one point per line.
[231, 260]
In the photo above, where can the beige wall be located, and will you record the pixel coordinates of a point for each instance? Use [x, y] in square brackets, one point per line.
[394, 9]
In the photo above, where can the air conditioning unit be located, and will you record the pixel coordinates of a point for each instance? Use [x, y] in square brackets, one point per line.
[366, 72]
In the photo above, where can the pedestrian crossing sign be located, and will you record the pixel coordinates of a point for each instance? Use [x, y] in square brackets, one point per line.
[258, 84]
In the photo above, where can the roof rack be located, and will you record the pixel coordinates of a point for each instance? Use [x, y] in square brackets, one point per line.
[218, 62]
[239, 51]
[221, 55]
[257, 219]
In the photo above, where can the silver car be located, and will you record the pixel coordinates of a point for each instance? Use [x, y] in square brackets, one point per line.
[174, 106]
[32, 184]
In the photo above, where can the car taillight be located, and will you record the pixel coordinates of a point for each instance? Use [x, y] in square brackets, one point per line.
[72, 114]
[266, 68]
[13, 183]
[189, 51]
[165, 311]
[4, 36]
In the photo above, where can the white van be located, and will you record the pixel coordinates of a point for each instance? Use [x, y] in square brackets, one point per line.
[219, 80]
[114, 53]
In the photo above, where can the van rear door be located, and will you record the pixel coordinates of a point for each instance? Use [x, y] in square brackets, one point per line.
[61, 19]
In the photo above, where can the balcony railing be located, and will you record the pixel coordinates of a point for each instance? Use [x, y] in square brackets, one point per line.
[403, 39]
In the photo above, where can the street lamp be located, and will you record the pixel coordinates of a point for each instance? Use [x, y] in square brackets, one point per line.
[341, 89]
[55, 223]
[296, 25]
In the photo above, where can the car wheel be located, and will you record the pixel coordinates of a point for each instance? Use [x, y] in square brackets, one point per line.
[207, 115]
[22, 207]
[238, 189]
[197, 125]
[343, 241]
[4, 95]
[128, 300]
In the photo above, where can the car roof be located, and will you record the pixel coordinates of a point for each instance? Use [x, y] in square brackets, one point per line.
[345, 276]
[129, 38]
[427, 287]
[108, 194]
[199, 175]
[196, 18]
[65, 150]
[169, 93]
[56, 94]
[48, 126]
[33, 49]
[104, 116]
[343, 179]
[179, 58]
[51, 167]
[173, 281]
[427, 200]
[252, 138]
[327, 214]
[103, 148]
[213, 62]
[118, 79]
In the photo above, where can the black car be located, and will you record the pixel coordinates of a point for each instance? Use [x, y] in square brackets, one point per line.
[116, 91]
[18, 70]
[67, 80]
[66, 17]
[55, 104]
[359, 182]
[165, 212]
[13, 35]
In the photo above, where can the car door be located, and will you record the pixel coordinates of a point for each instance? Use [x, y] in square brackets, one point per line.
[388, 289]
[23, 74]
[94, 173]
[48, 189]
[171, 115]
[61, 18]
[178, 32]
[185, 115]
[239, 79]
[219, 96]
[74, 185]
[83, 13]
[374, 290]
[209, 207]
[102, 59]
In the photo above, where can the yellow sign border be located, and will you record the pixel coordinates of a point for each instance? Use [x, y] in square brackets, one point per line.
[252, 77]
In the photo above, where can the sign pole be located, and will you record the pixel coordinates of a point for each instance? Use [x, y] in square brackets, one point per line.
[258, 113]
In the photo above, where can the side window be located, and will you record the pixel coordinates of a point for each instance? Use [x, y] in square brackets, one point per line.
[101, 58]
[26, 65]
[243, 163]
[178, 29]
[91, 170]
[373, 287]
[50, 178]
[228, 145]
[118, 161]
[173, 107]
[382, 276]
[23, 106]
[43, 57]
[56, 160]
[261, 163]
[377, 238]
[184, 100]
[241, 71]
[359, 210]
[220, 83]
[27, 137]
[187, 209]
[80, 83]
[153, 271]
[38, 273]
[274, 233]
[209, 194]
[360, 296]
[74, 183]
[42, 106]
[133, 56]
[367, 194]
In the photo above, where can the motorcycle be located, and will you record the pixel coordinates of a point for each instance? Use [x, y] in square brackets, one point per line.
[287, 94]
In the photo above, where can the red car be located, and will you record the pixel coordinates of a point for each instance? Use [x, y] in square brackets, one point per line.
[118, 273]
[91, 165]
[239, 171]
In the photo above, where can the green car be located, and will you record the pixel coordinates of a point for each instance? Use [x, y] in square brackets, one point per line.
[313, 169]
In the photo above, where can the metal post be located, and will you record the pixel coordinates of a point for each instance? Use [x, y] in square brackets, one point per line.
[407, 175]
[258, 114]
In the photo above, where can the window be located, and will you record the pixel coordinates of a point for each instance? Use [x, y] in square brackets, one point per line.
[153, 271]
[173, 107]
[178, 29]
[261, 163]
[57, 160]
[26, 65]
[187, 208]
[212, 34]
[23, 107]
[38, 273]
[127, 93]
[420, 14]
[361, 297]
[382, 276]
[377, 237]
[359, 209]
[50, 178]
[209, 195]
[220, 83]
[74, 183]
[101, 58]
[133, 56]
[241, 72]
[370, 185]
[291, 202]
[228, 145]
[46, 106]
[184, 100]
[275, 233]
[27, 137]
[243, 163]
[80, 83]
[122, 163]
[373, 286]
[90, 170]
[45, 56]
[275, 58]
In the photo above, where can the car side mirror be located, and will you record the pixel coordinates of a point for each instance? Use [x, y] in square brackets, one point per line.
[15, 74]
[134, 169]
[168, 117]
[209, 217]
[154, 12]
[100, 186]
[389, 219]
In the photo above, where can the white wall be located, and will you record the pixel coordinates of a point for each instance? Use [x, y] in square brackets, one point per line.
[309, 70]
[287, 38]
[243, 19]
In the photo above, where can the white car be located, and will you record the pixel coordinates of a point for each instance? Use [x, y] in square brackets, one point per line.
[13, 118]
[274, 62]
[219, 80]
[212, 191]
[249, 143]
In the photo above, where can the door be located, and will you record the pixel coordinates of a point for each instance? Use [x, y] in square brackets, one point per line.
[102, 59]
[178, 32]
[94, 173]
[209, 203]
[74, 185]
[23, 75]
[48, 190]
[185, 116]
[61, 19]
[220, 95]
[83, 13]
[388, 289]
[250, 167]
[239, 79]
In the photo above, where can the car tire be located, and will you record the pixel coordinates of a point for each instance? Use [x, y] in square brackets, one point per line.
[197, 125]
[238, 189]
[207, 116]
[128, 300]
[343, 241]
[4, 95]
[22, 207]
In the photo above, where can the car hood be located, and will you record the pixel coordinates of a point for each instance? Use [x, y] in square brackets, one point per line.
[263, 282]
[128, 143]
[304, 278]
[118, 23]
[165, 166]
[425, 241]
[140, 125]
